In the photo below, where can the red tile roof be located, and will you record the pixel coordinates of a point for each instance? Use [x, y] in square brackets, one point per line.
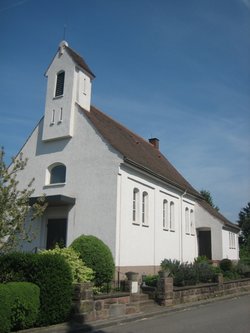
[137, 151]
[142, 154]
[79, 60]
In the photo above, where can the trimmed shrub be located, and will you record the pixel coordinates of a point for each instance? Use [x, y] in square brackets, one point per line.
[5, 309]
[80, 272]
[97, 256]
[226, 265]
[25, 304]
[53, 276]
[19, 305]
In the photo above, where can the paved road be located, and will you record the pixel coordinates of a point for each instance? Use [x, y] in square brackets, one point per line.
[222, 316]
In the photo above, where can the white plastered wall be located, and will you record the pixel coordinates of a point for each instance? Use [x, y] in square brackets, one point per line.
[138, 245]
[91, 178]
[230, 246]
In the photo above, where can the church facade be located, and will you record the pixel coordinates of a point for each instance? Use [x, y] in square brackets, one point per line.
[101, 179]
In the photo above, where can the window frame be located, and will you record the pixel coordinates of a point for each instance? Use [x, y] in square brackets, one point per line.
[165, 220]
[144, 217]
[50, 174]
[172, 216]
[135, 206]
[187, 221]
[60, 82]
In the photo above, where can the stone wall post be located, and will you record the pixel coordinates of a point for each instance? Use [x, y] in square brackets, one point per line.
[165, 290]
[83, 302]
[133, 282]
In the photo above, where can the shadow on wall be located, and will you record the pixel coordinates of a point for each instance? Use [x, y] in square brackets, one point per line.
[43, 148]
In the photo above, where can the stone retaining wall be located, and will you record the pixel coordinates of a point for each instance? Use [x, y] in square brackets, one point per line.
[167, 294]
[87, 307]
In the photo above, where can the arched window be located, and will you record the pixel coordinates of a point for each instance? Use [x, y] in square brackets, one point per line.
[165, 214]
[58, 174]
[192, 225]
[60, 84]
[145, 208]
[172, 216]
[187, 225]
[135, 205]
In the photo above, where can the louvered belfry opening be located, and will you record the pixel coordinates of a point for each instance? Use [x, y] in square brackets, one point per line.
[60, 84]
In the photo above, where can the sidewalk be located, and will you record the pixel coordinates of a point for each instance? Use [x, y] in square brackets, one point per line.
[152, 311]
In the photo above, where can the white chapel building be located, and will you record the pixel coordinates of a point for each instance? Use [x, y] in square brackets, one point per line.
[101, 179]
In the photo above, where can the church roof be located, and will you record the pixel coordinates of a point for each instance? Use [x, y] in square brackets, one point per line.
[79, 60]
[142, 154]
[137, 151]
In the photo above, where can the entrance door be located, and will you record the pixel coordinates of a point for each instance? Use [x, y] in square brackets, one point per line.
[205, 243]
[56, 233]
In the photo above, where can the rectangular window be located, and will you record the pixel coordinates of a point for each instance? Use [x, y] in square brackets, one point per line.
[53, 117]
[60, 84]
[61, 115]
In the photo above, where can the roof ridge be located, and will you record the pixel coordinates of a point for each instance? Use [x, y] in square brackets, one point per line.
[79, 60]
[126, 128]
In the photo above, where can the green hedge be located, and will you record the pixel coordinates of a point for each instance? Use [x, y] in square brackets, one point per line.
[53, 276]
[19, 305]
[97, 256]
[5, 312]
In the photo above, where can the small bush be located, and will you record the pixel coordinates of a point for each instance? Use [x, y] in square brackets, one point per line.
[151, 280]
[205, 272]
[170, 265]
[80, 272]
[226, 265]
[243, 268]
[19, 305]
[53, 276]
[185, 275]
[97, 256]
[201, 259]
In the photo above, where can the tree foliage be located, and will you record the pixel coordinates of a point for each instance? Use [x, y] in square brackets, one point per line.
[208, 197]
[96, 255]
[14, 204]
[244, 224]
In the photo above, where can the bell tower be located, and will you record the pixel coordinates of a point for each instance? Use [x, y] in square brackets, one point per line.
[69, 82]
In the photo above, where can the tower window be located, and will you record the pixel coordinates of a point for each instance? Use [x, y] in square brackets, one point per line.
[60, 84]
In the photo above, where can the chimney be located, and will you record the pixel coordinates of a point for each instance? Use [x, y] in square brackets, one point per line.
[154, 142]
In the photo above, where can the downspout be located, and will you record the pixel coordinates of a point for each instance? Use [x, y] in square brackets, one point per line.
[181, 227]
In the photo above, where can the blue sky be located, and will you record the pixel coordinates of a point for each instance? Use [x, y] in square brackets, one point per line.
[173, 69]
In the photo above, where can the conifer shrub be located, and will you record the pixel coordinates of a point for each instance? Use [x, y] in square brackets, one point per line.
[53, 276]
[96, 255]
